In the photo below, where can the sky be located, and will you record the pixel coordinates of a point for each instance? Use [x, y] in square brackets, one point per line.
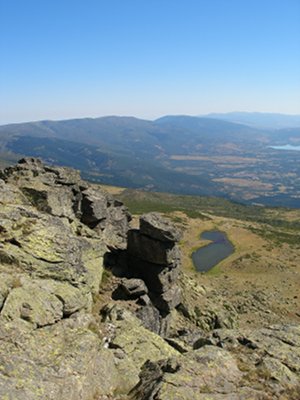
[147, 58]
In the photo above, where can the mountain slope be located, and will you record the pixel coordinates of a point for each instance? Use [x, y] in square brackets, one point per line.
[179, 154]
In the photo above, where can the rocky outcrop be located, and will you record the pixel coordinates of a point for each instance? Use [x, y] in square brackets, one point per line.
[274, 350]
[154, 256]
[261, 365]
[67, 334]
[150, 268]
[209, 373]
[206, 311]
[57, 362]
[61, 193]
[132, 344]
[55, 230]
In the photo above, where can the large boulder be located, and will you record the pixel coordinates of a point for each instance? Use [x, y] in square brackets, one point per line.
[154, 226]
[159, 278]
[133, 288]
[152, 250]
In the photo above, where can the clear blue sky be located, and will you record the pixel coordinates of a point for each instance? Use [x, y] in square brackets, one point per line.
[75, 58]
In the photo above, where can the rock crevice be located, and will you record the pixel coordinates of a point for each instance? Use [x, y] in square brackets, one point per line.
[153, 255]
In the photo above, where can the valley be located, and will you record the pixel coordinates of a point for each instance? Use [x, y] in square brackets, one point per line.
[176, 154]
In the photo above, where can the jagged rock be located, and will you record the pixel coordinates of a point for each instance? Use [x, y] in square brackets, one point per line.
[152, 250]
[144, 300]
[159, 278]
[133, 345]
[51, 266]
[55, 231]
[168, 300]
[133, 288]
[46, 247]
[270, 356]
[5, 285]
[93, 207]
[208, 373]
[154, 226]
[73, 299]
[60, 192]
[189, 335]
[204, 341]
[150, 318]
[153, 255]
[178, 345]
[210, 316]
[117, 225]
[278, 372]
[10, 194]
[280, 342]
[55, 201]
[42, 302]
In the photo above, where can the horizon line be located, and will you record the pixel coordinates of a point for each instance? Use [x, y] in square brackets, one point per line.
[149, 119]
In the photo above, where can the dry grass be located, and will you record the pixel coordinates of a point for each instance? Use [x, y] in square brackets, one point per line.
[245, 183]
[114, 190]
[257, 265]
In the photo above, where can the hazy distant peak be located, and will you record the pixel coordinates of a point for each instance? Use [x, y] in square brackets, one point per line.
[258, 119]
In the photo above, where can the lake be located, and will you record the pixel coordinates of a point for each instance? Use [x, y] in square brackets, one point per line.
[286, 147]
[208, 256]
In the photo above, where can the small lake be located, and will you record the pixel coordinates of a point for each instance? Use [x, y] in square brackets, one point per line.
[286, 147]
[207, 257]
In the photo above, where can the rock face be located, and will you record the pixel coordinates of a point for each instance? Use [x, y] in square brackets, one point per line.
[54, 232]
[59, 361]
[154, 257]
[132, 345]
[262, 365]
[61, 193]
[195, 375]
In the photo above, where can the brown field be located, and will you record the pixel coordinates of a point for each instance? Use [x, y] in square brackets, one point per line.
[250, 183]
[216, 159]
[114, 190]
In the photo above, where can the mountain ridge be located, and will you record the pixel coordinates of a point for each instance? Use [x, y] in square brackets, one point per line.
[180, 154]
[259, 119]
[291, 120]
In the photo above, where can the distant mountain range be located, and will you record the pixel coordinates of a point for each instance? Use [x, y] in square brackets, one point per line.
[259, 120]
[181, 154]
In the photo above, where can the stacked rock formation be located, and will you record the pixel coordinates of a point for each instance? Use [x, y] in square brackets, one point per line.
[153, 255]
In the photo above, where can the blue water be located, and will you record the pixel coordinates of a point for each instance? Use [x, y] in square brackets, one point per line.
[286, 147]
[208, 256]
